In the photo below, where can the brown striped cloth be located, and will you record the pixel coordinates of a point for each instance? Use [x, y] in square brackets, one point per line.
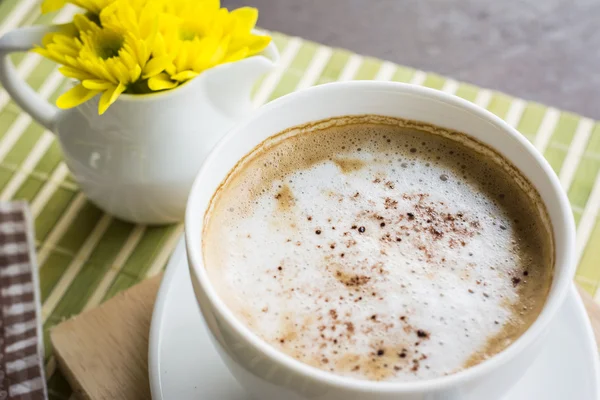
[21, 345]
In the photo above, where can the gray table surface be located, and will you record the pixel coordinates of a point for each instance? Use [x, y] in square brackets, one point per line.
[542, 50]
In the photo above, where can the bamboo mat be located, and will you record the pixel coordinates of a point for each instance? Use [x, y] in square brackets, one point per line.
[85, 256]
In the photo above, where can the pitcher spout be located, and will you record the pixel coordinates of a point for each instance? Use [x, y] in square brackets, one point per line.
[229, 86]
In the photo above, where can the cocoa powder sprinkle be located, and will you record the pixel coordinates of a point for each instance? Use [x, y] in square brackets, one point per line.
[422, 334]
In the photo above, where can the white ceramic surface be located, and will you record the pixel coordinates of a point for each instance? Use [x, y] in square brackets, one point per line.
[184, 365]
[138, 160]
[268, 373]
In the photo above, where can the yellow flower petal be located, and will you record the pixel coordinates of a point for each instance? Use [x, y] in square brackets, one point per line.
[84, 24]
[181, 61]
[75, 96]
[94, 6]
[97, 84]
[42, 52]
[117, 70]
[135, 73]
[219, 53]
[171, 69]
[221, 23]
[155, 66]
[68, 29]
[64, 32]
[149, 21]
[161, 82]
[211, 5]
[127, 59]
[258, 44]
[109, 97]
[184, 76]
[207, 53]
[160, 46]
[75, 73]
[246, 18]
[254, 43]
[236, 56]
[52, 5]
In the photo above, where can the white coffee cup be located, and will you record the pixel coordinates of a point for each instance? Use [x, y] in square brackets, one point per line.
[267, 373]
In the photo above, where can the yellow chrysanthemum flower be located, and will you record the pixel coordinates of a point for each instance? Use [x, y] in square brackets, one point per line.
[93, 6]
[106, 59]
[195, 36]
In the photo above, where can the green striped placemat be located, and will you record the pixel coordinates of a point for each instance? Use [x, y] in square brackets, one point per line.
[86, 256]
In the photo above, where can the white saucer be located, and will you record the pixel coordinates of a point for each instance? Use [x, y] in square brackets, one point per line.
[184, 365]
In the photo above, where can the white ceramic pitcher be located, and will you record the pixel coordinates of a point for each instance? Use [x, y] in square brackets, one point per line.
[139, 159]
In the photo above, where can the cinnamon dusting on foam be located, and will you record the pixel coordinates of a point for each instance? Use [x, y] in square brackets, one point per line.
[348, 165]
[285, 198]
[380, 248]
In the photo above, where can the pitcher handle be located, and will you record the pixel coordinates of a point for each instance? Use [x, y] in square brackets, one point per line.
[24, 39]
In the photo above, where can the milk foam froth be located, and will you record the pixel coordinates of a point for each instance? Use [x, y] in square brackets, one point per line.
[379, 249]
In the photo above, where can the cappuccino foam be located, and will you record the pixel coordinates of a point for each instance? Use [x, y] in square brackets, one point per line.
[379, 248]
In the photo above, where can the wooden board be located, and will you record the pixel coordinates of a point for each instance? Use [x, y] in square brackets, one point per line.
[103, 352]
